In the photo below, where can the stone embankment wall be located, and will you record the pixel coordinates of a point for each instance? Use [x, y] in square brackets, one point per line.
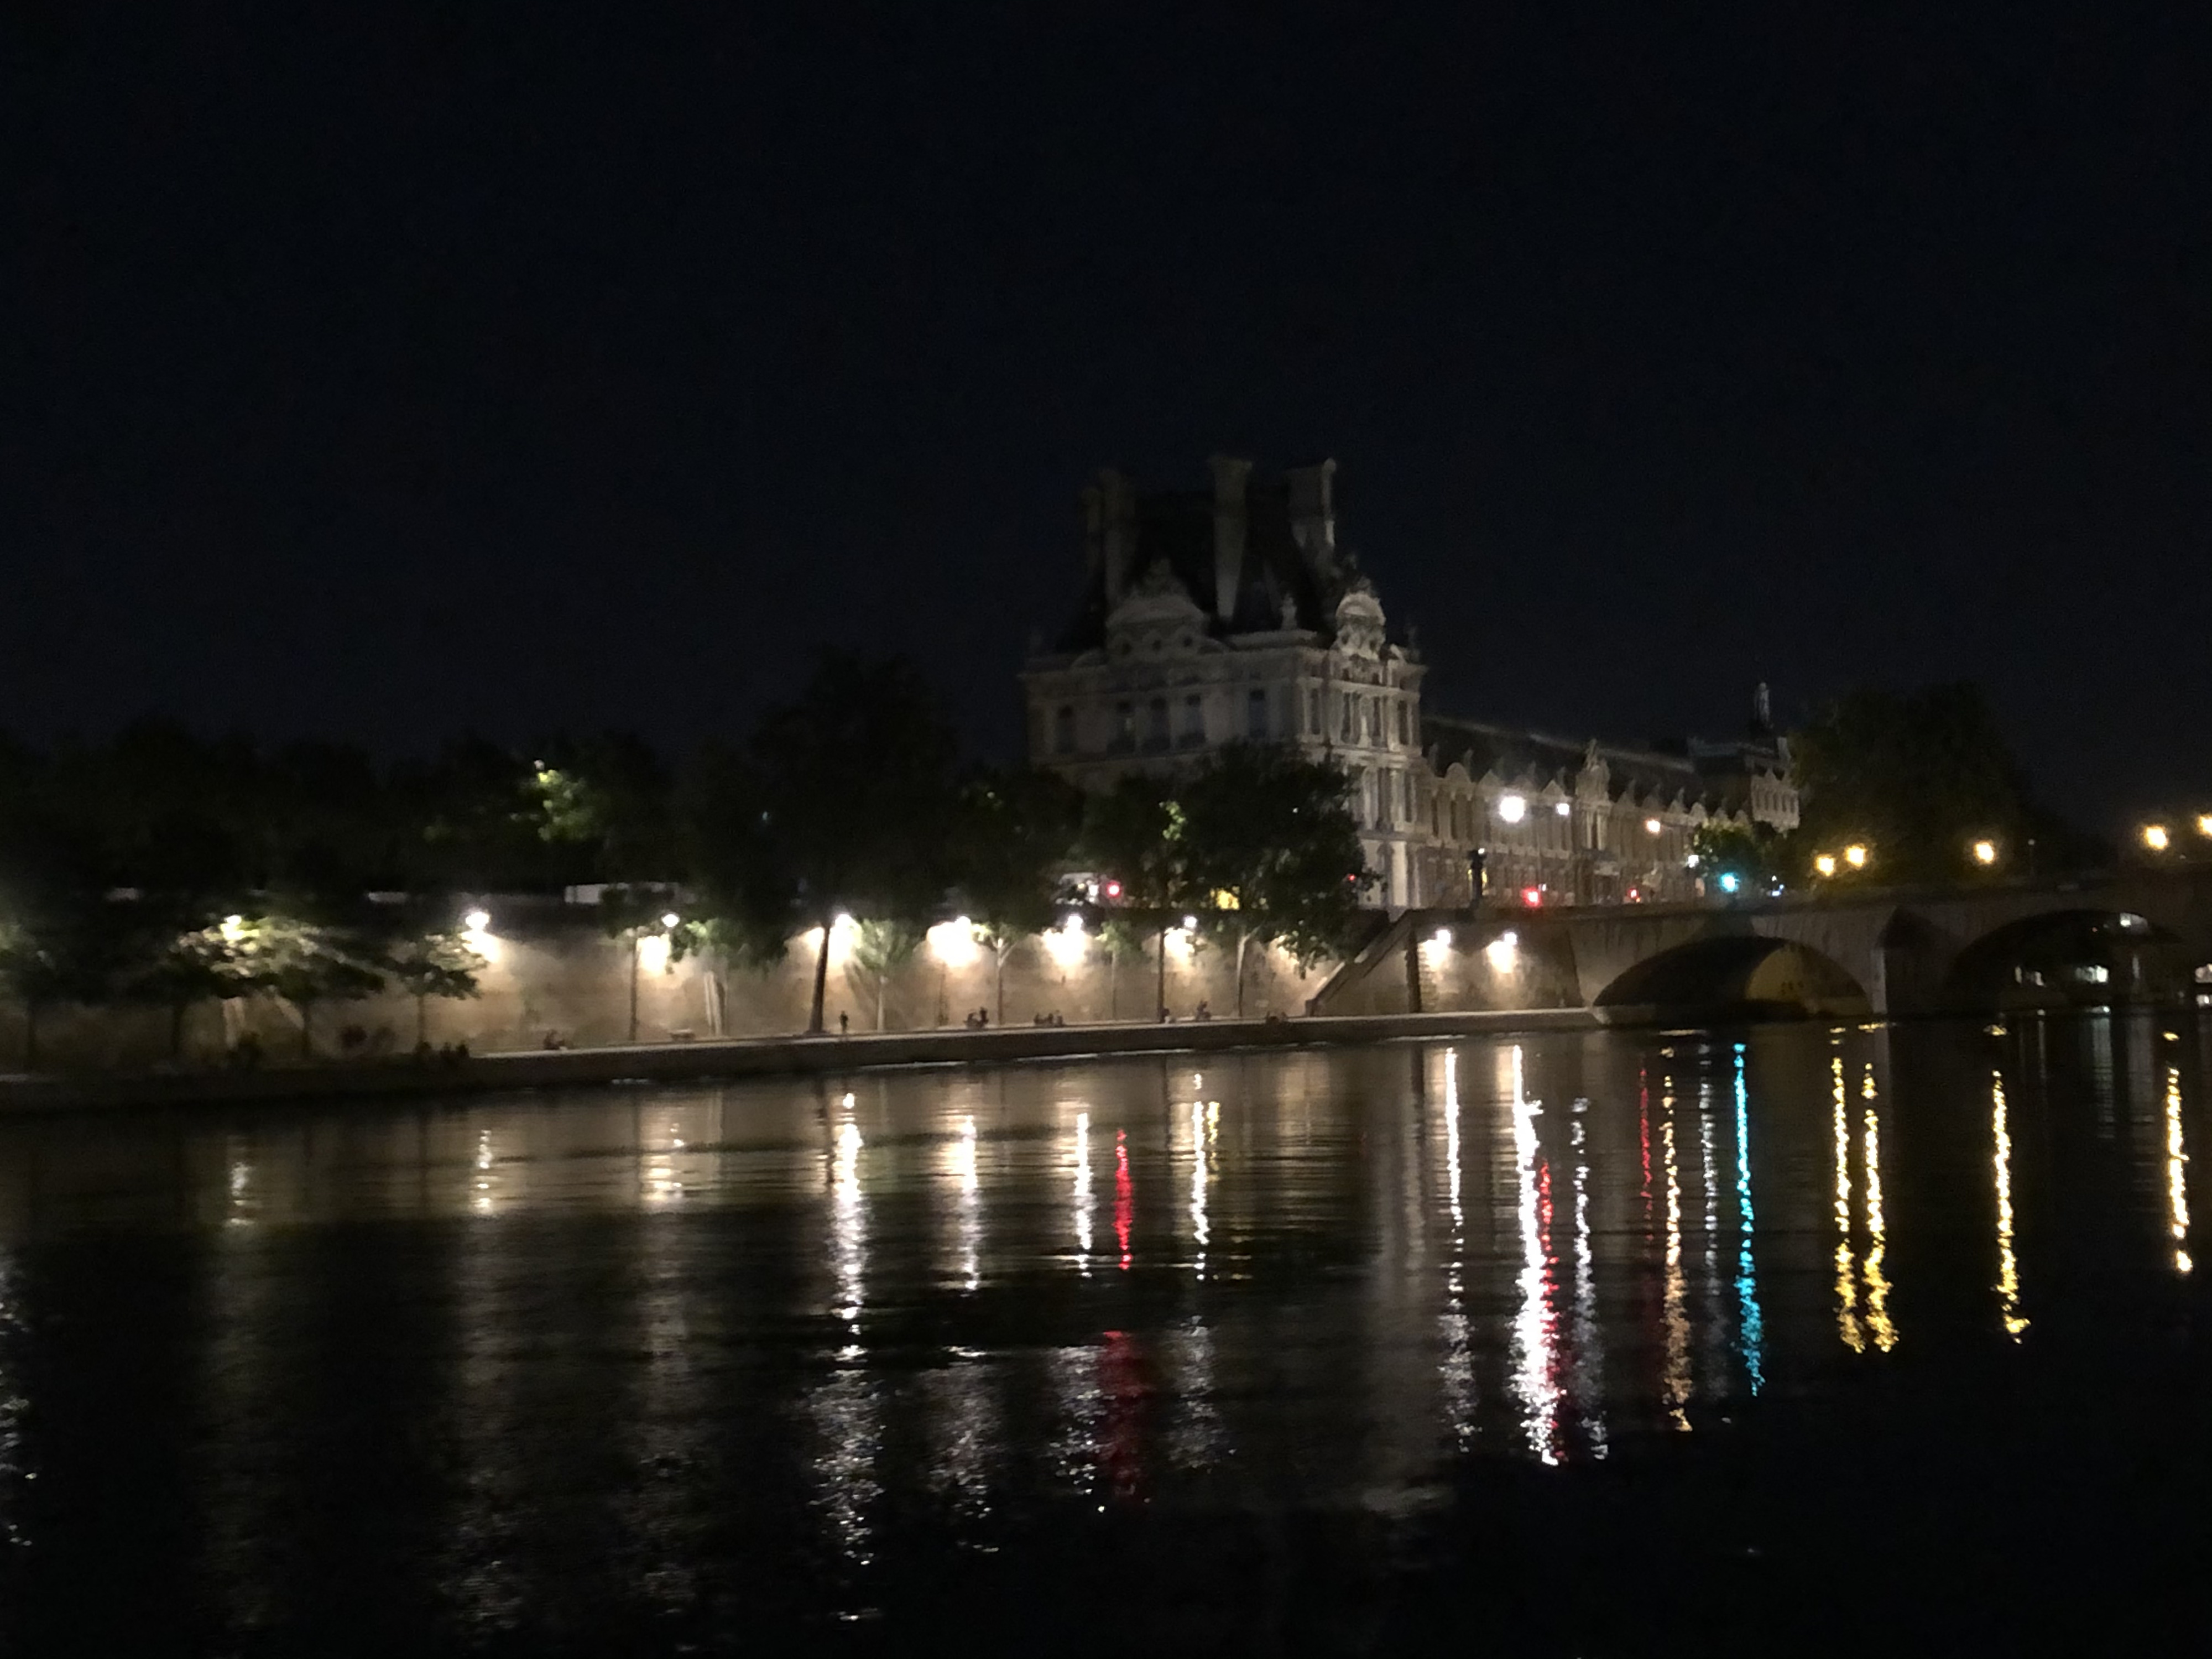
[553, 973]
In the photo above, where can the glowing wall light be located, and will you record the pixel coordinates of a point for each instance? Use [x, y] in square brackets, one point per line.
[1855, 856]
[1652, 826]
[953, 942]
[1563, 808]
[1511, 809]
[1068, 942]
[841, 929]
[477, 934]
[1503, 952]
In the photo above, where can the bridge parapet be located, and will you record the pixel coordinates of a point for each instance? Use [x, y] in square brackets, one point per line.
[1901, 947]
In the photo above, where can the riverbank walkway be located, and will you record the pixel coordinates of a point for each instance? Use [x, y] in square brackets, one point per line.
[739, 1058]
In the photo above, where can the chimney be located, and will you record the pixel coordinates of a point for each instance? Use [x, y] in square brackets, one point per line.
[1230, 529]
[1117, 532]
[1313, 515]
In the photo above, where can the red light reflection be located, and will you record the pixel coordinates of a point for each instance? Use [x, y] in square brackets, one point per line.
[1124, 1196]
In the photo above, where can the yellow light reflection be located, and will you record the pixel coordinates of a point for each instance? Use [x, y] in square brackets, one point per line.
[1674, 1375]
[1847, 1317]
[848, 1232]
[1878, 1320]
[1532, 1325]
[2177, 1178]
[1201, 1234]
[1083, 1201]
[1456, 1366]
[2008, 1264]
[971, 1225]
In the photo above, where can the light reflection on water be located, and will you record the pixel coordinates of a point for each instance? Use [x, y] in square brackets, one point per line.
[1316, 1279]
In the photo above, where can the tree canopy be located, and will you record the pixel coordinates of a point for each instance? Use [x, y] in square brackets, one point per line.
[1917, 778]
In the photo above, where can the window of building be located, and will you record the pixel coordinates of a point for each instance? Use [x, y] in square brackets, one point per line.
[1193, 721]
[1404, 727]
[1063, 730]
[1375, 721]
[1351, 713]
[1125, 725]
[1156, 723]
[1313, 714]
[1255, 712]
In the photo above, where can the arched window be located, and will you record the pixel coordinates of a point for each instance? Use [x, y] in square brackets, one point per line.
[1255, 712]
[1156, 723]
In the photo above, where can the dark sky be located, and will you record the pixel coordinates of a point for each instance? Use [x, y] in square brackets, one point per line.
[511, 369]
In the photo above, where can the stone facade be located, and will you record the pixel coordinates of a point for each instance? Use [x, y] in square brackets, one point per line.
[1208, 619]
[1585, 823]
[1235, 615]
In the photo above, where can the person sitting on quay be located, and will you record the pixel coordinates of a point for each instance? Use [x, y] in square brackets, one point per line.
[1202, 1011]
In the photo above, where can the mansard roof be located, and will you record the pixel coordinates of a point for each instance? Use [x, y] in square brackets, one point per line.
[1175, 531]
[1535, 758]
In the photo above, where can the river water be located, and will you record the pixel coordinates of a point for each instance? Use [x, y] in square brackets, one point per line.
[1785, 1339]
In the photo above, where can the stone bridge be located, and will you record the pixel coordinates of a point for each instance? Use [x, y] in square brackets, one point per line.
[1880, 952]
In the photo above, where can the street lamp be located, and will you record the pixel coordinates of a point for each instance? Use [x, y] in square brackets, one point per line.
[1824, 864]
[1855, 856]
[1985, 853]
[2156, 838]
[2205, 824]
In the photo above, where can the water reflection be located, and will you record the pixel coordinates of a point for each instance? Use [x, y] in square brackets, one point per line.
[2009, 1311]
[2177, 1178]
[1847, 1317]
[1750, 1324]
[1081, 1159]
[1455, 1363]
[763, 1325]
[1675, 1379]
[1534, 1381]
[1877, 1283]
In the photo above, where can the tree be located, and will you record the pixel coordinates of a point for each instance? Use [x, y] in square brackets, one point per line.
[1122, 940]
[1755, 854]
[1133, 834]
[440, 962]
[59, 954]
[175, 968]
[1016, 827]
[1271, 837]
[307, 963]
[635, 914]
[855, 800]
[1917, 778]
[879, 950]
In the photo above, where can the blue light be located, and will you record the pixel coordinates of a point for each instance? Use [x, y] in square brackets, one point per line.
[1730, 882]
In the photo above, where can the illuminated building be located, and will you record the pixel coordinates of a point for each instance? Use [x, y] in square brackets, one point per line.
[1210, 618]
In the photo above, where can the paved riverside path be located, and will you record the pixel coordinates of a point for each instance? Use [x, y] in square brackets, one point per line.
[784, 1056]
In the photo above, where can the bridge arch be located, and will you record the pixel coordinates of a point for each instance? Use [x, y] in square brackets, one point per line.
[2072, 954]
[1751, 975]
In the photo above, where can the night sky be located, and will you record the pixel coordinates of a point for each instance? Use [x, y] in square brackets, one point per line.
[510, 368]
